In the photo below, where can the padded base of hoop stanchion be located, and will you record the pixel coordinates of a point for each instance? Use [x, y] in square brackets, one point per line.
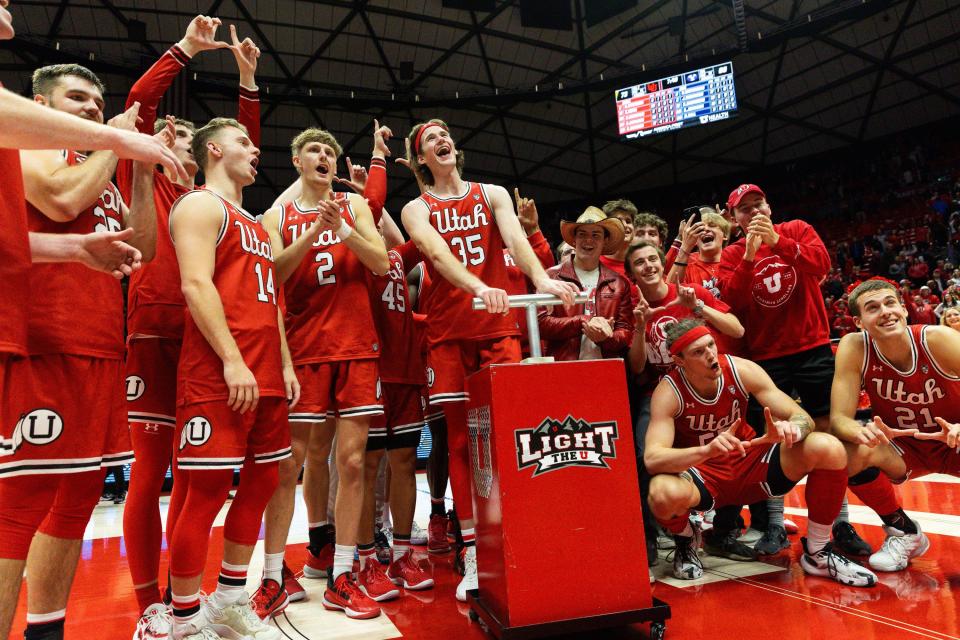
[657, 615]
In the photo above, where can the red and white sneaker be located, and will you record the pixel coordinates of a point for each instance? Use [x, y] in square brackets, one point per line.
[375, 583]
[295, 591]
[409, 573]
[155, 624]
[437, 534]
[319, 561]
[343, 594]
[269, 600]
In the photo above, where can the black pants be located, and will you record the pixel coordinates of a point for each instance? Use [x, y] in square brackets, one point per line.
[807, 374]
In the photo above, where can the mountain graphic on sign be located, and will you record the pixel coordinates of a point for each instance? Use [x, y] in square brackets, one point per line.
[569, 425]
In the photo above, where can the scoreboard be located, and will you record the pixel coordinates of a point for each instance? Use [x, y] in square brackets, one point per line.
[693, 97]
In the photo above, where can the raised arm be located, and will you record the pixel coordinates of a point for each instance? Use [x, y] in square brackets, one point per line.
[247, 53]
[141, 214]
[516, 241]
[195, 224]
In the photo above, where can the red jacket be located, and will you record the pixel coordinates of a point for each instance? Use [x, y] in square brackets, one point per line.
[561, 329]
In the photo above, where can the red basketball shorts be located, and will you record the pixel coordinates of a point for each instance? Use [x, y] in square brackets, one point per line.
[70, 416]
[744, 480]
[345, 389]
[449, 363]
[400, 425]
[924, 457]
[151, 373]
[8, 414]
[211, 435]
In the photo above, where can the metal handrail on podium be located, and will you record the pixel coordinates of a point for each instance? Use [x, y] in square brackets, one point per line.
[530, 302]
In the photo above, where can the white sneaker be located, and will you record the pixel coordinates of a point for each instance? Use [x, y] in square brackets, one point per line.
[829, 564]
[898, 549]
[192, 632]
[155, 624]
[239, 621]
[417, 535]
[469, 581]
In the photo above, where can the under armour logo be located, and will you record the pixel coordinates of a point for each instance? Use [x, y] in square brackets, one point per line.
[877, 367]
[689, 405]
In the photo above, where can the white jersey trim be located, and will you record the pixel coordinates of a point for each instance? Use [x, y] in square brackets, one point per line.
[929, 354]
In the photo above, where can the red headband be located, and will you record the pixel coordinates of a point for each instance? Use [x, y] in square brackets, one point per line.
[416, 141]
[684, 341]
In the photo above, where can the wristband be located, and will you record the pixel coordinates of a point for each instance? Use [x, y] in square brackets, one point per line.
[677, 263]
[344, 231]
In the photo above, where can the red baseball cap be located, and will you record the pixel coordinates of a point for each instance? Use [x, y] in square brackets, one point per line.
[737, 195]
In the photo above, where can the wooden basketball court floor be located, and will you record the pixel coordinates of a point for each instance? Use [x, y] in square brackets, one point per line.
[742, 601]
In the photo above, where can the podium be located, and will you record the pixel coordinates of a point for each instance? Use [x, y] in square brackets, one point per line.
[556, 501]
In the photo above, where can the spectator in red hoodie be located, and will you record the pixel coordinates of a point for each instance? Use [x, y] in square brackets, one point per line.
[773, 277]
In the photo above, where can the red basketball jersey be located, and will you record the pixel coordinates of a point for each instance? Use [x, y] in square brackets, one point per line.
[14, 256]
[400, 360]
[700, 419]
[243, 275]
[72, 309]
[910, 399]
[155, 305]
[658, 355]
[328, 315]
[467, 225]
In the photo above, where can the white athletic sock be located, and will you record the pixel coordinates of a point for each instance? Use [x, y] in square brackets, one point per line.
[230, 584]
[818, 535]
[314, 525]
[273, 566]
[367, 553]
[342, 559]
[844, 515]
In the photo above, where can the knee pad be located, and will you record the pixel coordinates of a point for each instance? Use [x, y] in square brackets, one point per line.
[864, 477]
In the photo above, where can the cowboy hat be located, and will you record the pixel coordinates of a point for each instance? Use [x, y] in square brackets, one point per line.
[612, 228]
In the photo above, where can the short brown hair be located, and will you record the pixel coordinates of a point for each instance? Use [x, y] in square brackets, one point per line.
[46, 78]
[161, 124]
[853, 300]
[620, 205]
[203, 135]
[315, 135]
[718, 220]
[636, 246]
[423, 173]
[647, 219]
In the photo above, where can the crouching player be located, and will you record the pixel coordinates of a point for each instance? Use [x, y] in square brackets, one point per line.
[912, 376]
[700, 456]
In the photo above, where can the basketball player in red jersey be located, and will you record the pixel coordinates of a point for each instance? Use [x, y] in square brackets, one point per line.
[235, 379]
[155, 312]
[325, 244]
[462, 229]
[74, 351]
[396, 432]
[912, 375]
[701, 456]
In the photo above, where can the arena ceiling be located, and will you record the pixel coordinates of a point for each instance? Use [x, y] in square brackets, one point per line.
[531, 107]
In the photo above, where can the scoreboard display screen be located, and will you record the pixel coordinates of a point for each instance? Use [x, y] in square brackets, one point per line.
[694, 97]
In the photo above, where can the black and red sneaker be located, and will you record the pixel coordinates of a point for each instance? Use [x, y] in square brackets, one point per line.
[343, 594]
[320, 552]
[269, 600]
